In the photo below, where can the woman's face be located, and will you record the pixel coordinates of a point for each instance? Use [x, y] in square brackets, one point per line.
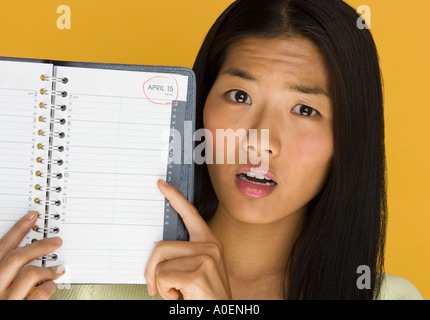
[281, 85]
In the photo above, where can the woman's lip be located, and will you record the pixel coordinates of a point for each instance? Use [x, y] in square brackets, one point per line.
[257, 169]
[252, 190]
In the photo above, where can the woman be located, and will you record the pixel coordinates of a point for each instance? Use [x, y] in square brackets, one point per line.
[301, 225]
[303, 70]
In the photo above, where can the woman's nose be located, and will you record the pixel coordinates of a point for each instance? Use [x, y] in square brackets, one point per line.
[257, 141]
[263, 137]
[261, 144]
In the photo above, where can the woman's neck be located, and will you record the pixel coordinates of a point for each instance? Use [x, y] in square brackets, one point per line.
[256, 254]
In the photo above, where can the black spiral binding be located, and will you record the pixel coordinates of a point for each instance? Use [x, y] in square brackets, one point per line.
[49, 175]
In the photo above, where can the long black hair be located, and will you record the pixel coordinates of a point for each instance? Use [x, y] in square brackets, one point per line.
[345, 223]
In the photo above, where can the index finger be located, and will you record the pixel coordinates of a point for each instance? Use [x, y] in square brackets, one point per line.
[15, 235]
[197, 228]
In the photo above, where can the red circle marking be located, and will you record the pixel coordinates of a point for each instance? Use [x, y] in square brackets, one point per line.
[164, 77]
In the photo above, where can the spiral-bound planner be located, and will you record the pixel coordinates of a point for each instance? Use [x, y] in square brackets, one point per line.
[84, 144]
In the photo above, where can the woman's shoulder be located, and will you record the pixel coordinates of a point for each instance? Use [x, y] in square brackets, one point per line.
[398, 288]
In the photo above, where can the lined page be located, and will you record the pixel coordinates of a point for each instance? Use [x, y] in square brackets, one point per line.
[115, 149]
[20, 96]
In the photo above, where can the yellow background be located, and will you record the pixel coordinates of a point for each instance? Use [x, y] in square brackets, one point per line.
[169, 32]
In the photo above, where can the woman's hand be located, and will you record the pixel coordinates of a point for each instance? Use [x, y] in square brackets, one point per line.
[15, 285]
[195, 269]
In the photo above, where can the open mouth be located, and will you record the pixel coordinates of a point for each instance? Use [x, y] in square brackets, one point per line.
[260, 180]
[255, 186]
[255, 181]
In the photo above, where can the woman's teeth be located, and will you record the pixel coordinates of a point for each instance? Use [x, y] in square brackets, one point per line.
[256, 179]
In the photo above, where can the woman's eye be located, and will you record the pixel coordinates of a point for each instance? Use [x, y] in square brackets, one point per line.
[239, 96]
[305, 110]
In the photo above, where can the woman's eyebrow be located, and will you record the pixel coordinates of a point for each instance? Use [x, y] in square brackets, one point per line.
[313, 90]
[238, 73]
[316, 90]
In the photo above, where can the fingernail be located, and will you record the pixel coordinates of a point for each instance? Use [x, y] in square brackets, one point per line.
[164, 183]
[61, 269]
[55, 240]
[31, 215]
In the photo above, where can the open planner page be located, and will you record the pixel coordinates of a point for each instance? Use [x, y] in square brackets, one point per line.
[19, 152]
[115, 142]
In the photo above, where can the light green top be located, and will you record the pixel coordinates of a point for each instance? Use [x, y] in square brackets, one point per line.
[398, 288]
[393, 288]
